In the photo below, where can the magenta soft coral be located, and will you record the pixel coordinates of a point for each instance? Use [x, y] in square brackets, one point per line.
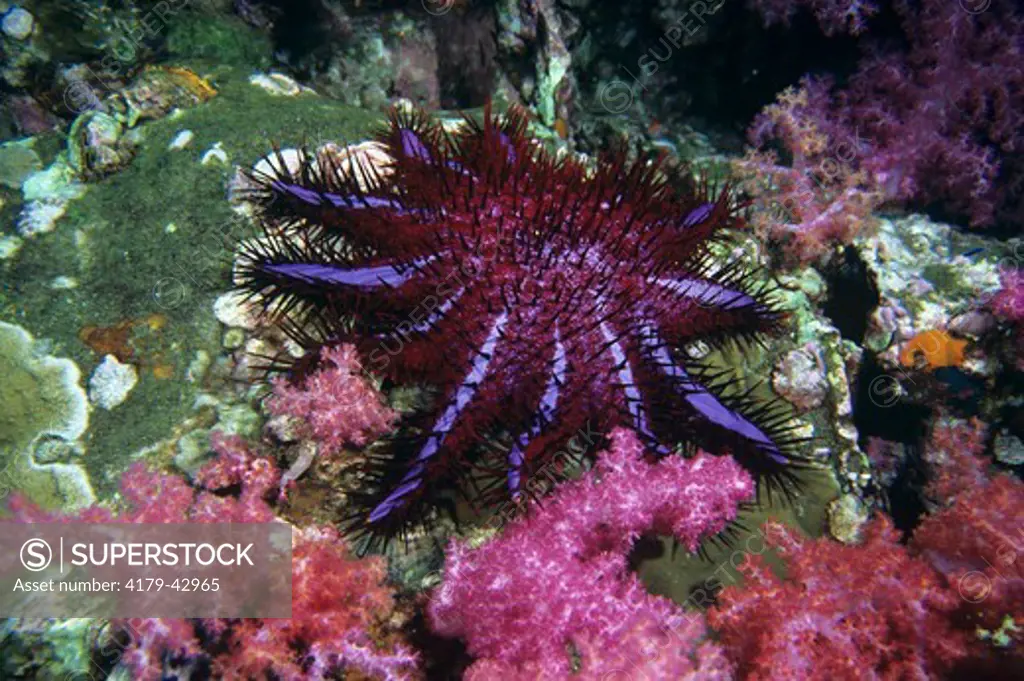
[336, 405]
[153, 497]
[844, 612]
[558, 579]
[1008, 305]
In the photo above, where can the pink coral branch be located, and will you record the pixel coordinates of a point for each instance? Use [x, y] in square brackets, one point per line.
[335, 406]
[834, 16]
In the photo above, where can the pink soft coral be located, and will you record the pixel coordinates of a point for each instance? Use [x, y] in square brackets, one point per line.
[1008, 305]
[954, 454]
[337, 600]
[976, 542]
[558, 580]
[978, 546]
[154, 497]
[844, 612]
[821, 198]
[336, 405]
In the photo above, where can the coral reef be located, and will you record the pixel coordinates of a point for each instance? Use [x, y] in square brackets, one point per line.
[941, 606]
[559, 313]
[555, 587]
[111, 382]
[336, 602]
[925, 280]
[834, 16]
[168, 213]
[976, 545]
[1008, 305]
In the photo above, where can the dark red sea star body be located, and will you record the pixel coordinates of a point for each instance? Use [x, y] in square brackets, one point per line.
[539, 296]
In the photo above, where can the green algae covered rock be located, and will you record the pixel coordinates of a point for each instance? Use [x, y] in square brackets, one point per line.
[18, 160]
[51, 650]
[219, 39]
[150, 247]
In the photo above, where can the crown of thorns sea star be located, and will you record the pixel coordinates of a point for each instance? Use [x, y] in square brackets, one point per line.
[537, 295]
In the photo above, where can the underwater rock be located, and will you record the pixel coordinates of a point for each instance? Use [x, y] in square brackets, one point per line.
[846, 516]
[233, 339]
[924, 279]
[536, 33]
[212, 33]
[192, 451]
[278, 84]
[367, 59]
[47, 194]
[97, 145]
[18, 23]
[28, 115]
[158, 90]
[800, 377]
[50, 649]
[18, 160]
[111, 382]
[215, 154]
[9, 246]
[234, 311]
[41, 402]
[39, 217]
[23, 52]
[1008, 448]
[181, 140]
[802, 293]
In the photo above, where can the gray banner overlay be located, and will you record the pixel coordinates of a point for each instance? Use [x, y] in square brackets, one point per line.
[145, 570]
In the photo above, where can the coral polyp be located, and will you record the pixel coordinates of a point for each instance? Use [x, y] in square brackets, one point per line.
[538, 295]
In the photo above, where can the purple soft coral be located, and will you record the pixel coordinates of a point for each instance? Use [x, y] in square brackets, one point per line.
[936, 124]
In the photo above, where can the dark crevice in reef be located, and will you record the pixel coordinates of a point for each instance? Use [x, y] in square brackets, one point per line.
[852, 294]
[466, 51]
[879, 412]
[444, 659]
[715, 64]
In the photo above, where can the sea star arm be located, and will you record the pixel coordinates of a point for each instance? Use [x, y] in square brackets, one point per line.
[697, 308]
[717, 420]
